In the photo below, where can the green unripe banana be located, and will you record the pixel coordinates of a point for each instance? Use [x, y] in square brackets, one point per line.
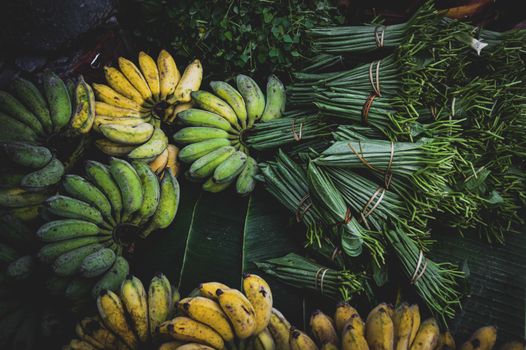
[17, 197]
[58, 99]
[129, 184]
[151, 148]
[202, 118]
[69, 263]
[72, 208]
[276, 98]
[7, 254]
[14, 108]
[168, 204]
[26, 155]
[100, 176]
[253, 96]
[214, 104]
[228, 93]
[194, 134]
[97, 263]
[59, 230]
[50, 252]
[78, 288]
[246, 180]
[29, 94]
[81, 189]
[14, 130]
[113, 278]
[211, 186]
[152, 192]
[47, 176]
[228, 170]
[205, 166]
[194, 151]
[21, 268]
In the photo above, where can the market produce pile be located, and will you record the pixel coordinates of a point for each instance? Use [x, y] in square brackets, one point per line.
[430, 135]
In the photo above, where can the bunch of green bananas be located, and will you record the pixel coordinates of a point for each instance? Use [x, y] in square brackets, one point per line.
[214, 133]
[30, 118]
[26, 317]
[130, 108]
[96, 217]
[386, 328]
[129, 319]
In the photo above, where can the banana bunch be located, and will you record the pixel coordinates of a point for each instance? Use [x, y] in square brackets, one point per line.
[30, 117]
[129, 109]
[214, 131]
[129, 317]
[25, 316]
[387, 329]
[97, 218]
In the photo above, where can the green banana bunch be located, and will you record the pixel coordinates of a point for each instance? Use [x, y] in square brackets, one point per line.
[97, 217]
[31, 118]
[128, 318]
[214, 131]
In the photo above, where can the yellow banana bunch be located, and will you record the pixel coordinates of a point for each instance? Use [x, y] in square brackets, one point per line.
[149, 91]
[216, 121]
[125, 319]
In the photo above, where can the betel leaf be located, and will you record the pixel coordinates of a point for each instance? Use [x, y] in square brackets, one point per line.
[496, 287]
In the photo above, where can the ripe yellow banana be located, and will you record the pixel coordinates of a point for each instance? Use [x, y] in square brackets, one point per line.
[345, 313]
[113, 315]
[186, 329]
[83, 335]
[208, 312]
[483, 338]
[159, 163]
[427, 336]
[172, 164]
[323, 328]
[134, 75]
[151, 73]
[105, 109]
[379, 330]
[329, 346]
[209, 289]
[106, 94]
[239, 310]
[214, 104]
[120, 84]
[96, 330]
[403, 325]
[133, 296]
[352, 338]
[279, 327]
[84, 114]
[129, 121]
[447, 342]
[76, 344]
[301, 341]
[415, 313]
[264, 341]
[169, 75]
[159, 301]
[126, 134]
[259, 294]
[194, 346]
[190, 81]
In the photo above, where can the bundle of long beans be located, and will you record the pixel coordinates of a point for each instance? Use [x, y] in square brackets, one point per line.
[359, 39]
[303, 273]
[435, 282]
[284, 131]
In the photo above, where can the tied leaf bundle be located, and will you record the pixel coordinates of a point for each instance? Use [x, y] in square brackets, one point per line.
[435, 282]
[303, 273]
[367, 38]
[290, 130]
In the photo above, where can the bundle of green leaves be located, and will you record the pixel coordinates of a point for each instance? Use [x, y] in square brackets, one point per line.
[233, 36]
